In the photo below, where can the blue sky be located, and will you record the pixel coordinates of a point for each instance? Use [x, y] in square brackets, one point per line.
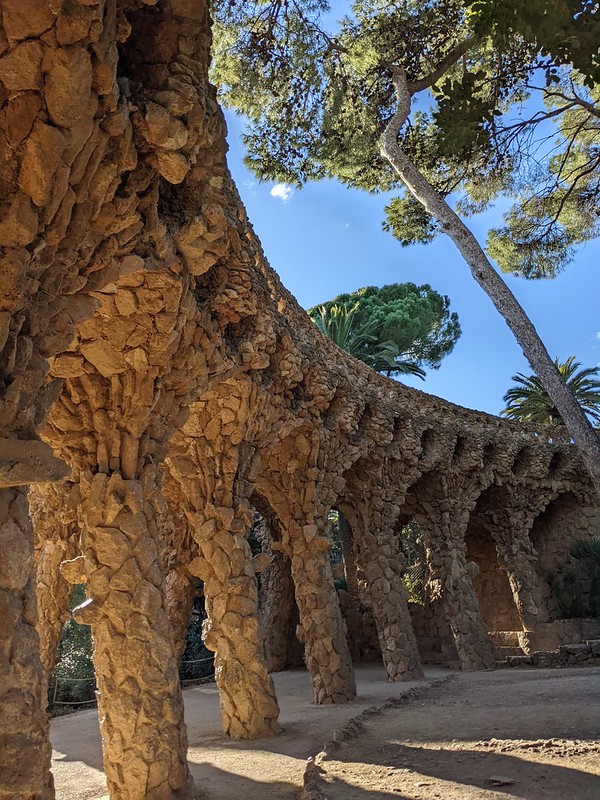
[326, 239]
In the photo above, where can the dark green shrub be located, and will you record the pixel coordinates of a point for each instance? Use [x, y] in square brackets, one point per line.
[72, 684]
[576, 584]
[197, 663]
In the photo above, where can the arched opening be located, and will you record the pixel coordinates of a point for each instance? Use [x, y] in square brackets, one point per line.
[460, 452]
[430, 624]
[277, 608]
[427, 443]
[558, 461]
[361, 631]
[522, 463]
[364, 423]
[557, 528]
[566, 540]
[490, 580]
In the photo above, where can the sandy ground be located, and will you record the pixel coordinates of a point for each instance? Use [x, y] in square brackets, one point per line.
[270, 769]
[536, 732]
[531, 734]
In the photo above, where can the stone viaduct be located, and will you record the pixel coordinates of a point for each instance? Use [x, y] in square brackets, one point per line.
[158, 385]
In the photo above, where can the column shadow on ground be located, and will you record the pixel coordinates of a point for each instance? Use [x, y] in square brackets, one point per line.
[475, 768]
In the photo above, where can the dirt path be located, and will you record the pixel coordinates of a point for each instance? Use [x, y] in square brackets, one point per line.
[270, 769]
[536, 732]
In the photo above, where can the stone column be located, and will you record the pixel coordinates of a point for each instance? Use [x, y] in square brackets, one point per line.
[209, 462]
[232, 631]
[139, 697]
[381, 563]
[322, 629]
[516, 552]
[509, 513]
[53, 509]
[450, 582]
[180, 591]
[275, 602]
[24, 747]
[292, 487]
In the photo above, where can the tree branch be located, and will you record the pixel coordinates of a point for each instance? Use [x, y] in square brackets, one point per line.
[490, 281]
[443, 66]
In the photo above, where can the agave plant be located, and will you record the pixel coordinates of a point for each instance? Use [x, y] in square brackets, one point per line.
[528, 401]
[361, 340]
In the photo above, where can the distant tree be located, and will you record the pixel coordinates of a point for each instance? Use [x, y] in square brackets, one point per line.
[528, 401]
[395, 330]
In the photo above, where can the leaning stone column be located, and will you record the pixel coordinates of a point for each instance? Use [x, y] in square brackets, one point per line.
[382, 567]
[206, 462]
[249, 707]
[450, 582]
[139, 698]
[519, 557]
[290, 486]
[275, 602]
[322, 628]
[53, 509]
[24, 747]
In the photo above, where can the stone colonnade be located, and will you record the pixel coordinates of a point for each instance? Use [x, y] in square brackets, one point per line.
[374, 511]
[175, 383]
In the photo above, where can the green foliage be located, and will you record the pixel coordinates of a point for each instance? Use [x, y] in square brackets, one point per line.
[556, 204]
[409, 222]
[415, 570]
[335, 551]
[318, 103]
[528, 401]
[360, 340]
[197, 663]
[566, 32]
[396, 329]
[72, 682]
[576, 584]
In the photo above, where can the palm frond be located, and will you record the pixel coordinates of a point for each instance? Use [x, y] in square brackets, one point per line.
[528, 401]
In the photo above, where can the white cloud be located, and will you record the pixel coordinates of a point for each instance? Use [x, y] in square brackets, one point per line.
[597, 334]
[282, 191]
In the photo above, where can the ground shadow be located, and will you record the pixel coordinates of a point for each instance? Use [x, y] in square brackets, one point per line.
[475, 768]
[215, 783]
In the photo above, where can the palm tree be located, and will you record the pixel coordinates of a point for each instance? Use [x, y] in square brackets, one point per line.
[529, 401]
[361, 340]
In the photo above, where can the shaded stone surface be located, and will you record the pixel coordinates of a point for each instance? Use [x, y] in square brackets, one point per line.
[145, 338]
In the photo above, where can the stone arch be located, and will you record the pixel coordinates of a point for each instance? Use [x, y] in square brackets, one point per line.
[504, 515]
[522, 462]
[556, 528]
[491, 582]
[441, 501]
[277, 609]
[301, 509]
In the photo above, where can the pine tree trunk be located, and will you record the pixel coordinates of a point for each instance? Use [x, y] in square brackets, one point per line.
[490, 281]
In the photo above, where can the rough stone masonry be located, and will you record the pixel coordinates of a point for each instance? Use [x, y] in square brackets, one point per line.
[158, 385]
